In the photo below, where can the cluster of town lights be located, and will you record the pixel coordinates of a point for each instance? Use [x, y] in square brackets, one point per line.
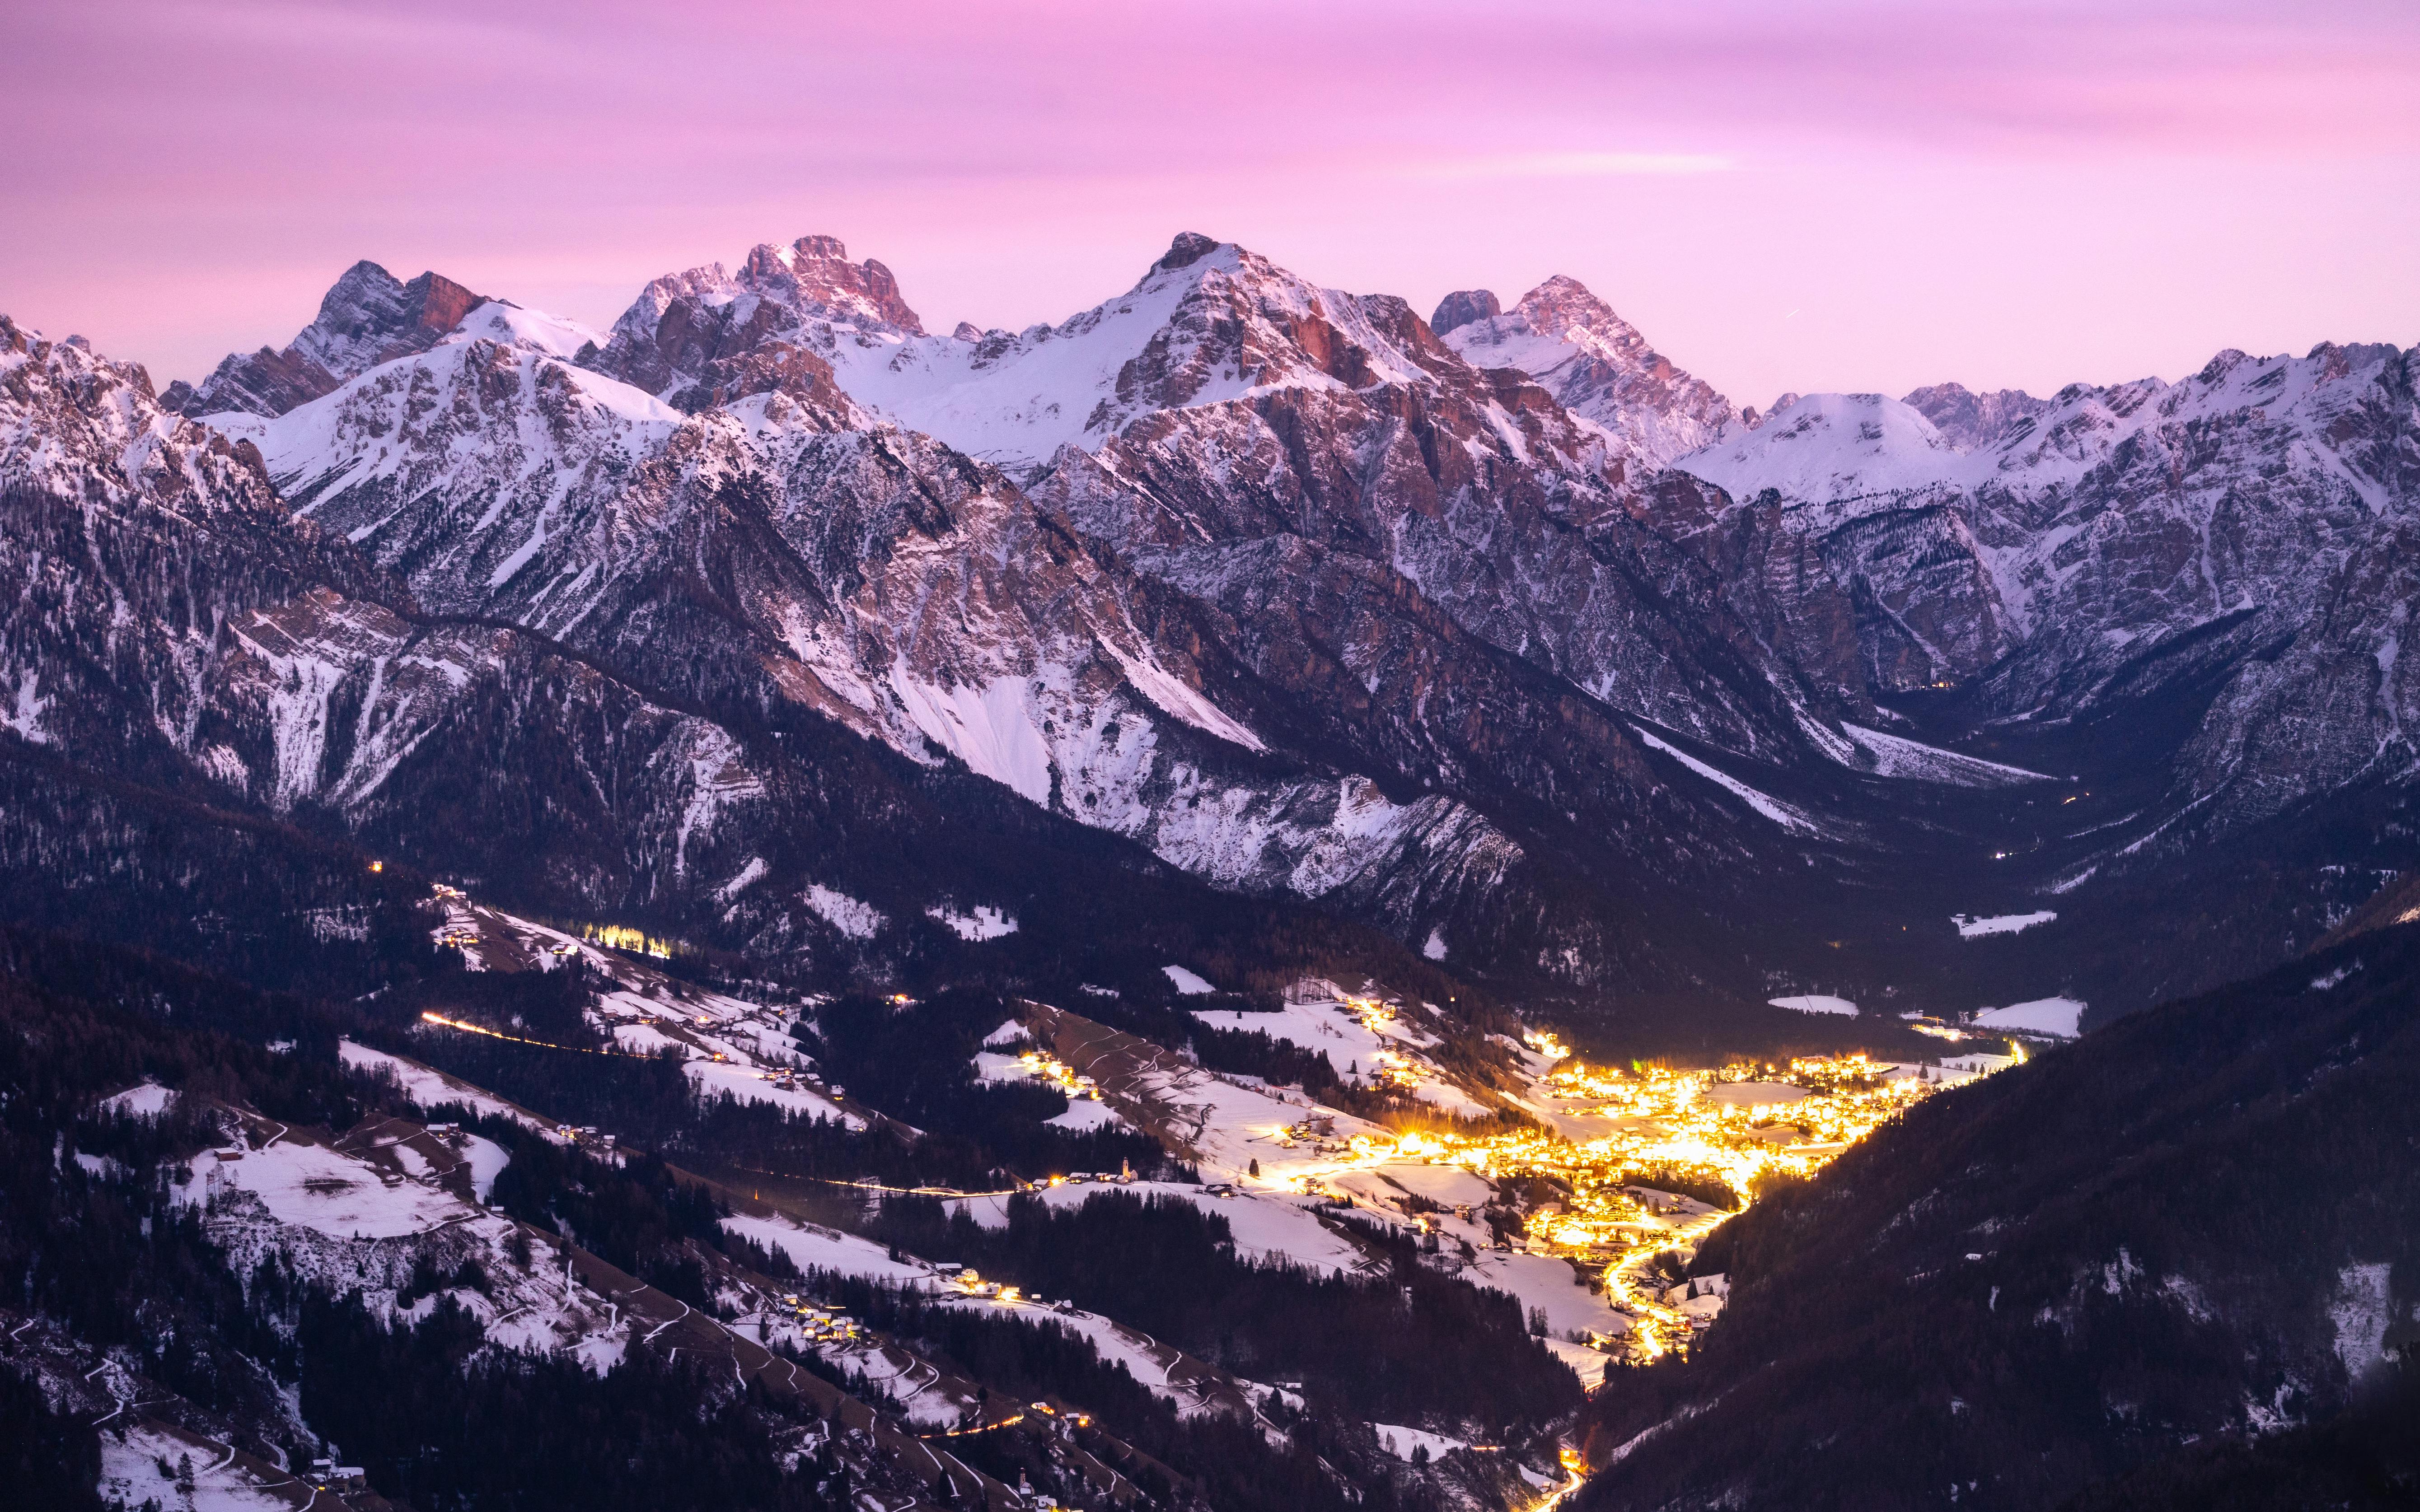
[1044, 1066]
[623, 937]
[1733, 1128]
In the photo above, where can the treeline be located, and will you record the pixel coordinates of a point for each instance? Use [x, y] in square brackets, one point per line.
[1218, 1460]
[439, 1422]
[1409, 1345]
[916, 1063]
[442, 1424]
[103, 1250]
[2069, 1275]
[1170, 1023]
[259, 898]
[908, 1064]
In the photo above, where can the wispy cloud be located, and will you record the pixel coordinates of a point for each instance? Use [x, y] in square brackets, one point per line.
[1574, 165]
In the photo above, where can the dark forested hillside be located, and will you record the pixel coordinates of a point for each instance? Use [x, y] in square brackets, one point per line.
[2190, 1229]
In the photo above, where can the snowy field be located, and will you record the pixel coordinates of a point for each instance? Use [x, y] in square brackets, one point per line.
[1266, 1228]
[311, 1186]
[147, 1101]
[1971, 928]
[1898, 756]
[2043, 1016]
[813, 1247]
[130, 1477]
[1815, 1003]
[1401, 1442]
[428, 1086]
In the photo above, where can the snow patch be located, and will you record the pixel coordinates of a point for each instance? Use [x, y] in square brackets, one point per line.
[748, 875]
[1083, 1115]
[147, 1101]
[1189, 983]
[1401, 1442]
[2361, 1314]
[1898, 756]
[2043, 1016]
[858, 920]
[25, 715]
[1815, 1003]
[1773, 809]
[991, 729]
[1973, 928]
[984, 923]
[311, 1186]
[131, 1475]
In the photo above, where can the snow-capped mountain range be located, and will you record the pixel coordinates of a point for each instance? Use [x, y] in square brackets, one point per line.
[1496, 629]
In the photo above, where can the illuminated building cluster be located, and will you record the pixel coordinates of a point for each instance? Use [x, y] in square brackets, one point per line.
[1044, 1066]
[623, 937]
[1697, 1129]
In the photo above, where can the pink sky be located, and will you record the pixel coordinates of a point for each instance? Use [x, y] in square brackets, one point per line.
[1805, 196]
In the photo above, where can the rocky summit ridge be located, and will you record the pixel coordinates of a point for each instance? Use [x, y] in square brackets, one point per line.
[368, 316]
[1497, 630]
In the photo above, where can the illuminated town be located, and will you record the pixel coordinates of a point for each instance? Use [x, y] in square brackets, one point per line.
[1612, 1145]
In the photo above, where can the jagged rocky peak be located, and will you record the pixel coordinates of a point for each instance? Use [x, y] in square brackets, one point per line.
[812, 275]
[1228, 316]
[1208, 322]
[1464, 305]
[1752, 418]
[75, 426]
[368, 316]
[685, 337]
[1594, 363]
[1970, 421]
[1188, 248]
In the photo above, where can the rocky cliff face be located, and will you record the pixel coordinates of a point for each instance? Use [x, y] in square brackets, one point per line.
[1343, 508]
[1265, 577]
[2245, 531]
[1594, 363]
[683, 579]
[367, 317]
[1967, 419]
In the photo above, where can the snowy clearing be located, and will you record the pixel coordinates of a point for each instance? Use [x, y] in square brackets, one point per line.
[1401, 1442]
[856, 920]
[147, 1101]
[811, 1248]
[1083, 1114]
[1191, 983]
[130, 1475]
[1273, 1228]
[429, 1087]
[311, 1186]
[1773, 809]
[984, 923]
[1972, 928]
[2043, 1016]
[1815, 1003]
[1898, 756]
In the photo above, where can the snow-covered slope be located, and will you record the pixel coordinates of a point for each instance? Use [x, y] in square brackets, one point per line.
[1594, 363]
[1208, 322]
[1828, 447]
[2248, 525]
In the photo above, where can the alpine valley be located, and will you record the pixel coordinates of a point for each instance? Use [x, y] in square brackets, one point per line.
[1211, 905]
